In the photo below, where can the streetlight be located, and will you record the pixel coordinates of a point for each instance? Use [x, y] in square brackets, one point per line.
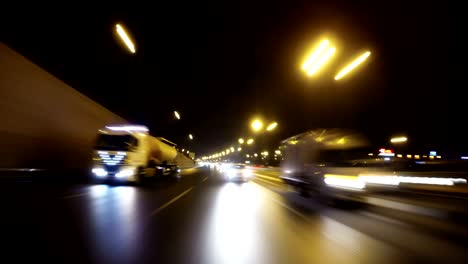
[232, 149]
[256, 125]
[272, 126]
[318, 58]
[241, 141]
[177, 115]
[250, 141]
[124, 37]
[239, 149]
[352, 65]
[398, 140]
[190, 136]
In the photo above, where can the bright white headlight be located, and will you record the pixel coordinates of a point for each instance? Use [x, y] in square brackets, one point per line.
[100, 172]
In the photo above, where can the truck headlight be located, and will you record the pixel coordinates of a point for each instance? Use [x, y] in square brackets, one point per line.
[125, 173]
[100, 172]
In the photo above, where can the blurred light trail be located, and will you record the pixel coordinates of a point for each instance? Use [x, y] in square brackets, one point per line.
[398, 139]
[344, 181]
[128, 128]
[315, 55]
[272, 126]
[321, 61]
[241, 141]
[177, 115]
[250, 141]
[190, 136]
[352, 65]
[123, 35]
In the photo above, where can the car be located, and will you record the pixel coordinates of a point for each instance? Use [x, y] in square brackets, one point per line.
[237, 172]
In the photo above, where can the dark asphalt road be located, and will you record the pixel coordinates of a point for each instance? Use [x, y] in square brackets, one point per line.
[203, 219]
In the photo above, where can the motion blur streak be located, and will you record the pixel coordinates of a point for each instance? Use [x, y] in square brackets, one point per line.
[320, 49]
[396, 180]
[235, 227]
[352, 65]
[344, 181]
[321, 61]
[123, 35]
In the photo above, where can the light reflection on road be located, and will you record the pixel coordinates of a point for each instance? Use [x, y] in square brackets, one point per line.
[234, 228]
[113, 221]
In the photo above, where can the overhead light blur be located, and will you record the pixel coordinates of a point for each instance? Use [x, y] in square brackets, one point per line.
[321, 54]
[321, 61]
[352, 65]
[177, 115]
[123, 35]
[241, 141]
[256, 125]
[239, 149]
[250, 141]
[272, 126]
[190, 136]
[278, 152]
[232, 149]
[398, 139]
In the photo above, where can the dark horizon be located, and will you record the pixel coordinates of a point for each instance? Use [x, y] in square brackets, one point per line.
[220, 65]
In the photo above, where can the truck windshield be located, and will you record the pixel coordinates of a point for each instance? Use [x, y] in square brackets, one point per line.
[116, 142]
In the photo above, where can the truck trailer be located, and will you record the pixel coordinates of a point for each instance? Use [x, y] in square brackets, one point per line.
[128, 153]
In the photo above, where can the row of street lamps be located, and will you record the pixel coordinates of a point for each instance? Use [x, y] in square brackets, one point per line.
[124, 36]
[256, 125]
[318, 58]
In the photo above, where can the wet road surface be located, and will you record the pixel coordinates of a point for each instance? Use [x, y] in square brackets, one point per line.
[201, 218]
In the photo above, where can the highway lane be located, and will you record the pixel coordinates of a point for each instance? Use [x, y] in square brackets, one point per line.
[200, 218]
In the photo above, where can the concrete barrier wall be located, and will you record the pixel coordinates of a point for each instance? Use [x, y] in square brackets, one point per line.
[44, 122]
[184, 161]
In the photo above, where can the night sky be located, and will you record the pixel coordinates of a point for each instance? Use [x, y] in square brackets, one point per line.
[219, 64]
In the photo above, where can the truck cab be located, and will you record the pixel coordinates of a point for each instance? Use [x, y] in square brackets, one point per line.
[120, 153]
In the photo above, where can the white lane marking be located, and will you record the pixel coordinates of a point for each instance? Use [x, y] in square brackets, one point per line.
[171, 201]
